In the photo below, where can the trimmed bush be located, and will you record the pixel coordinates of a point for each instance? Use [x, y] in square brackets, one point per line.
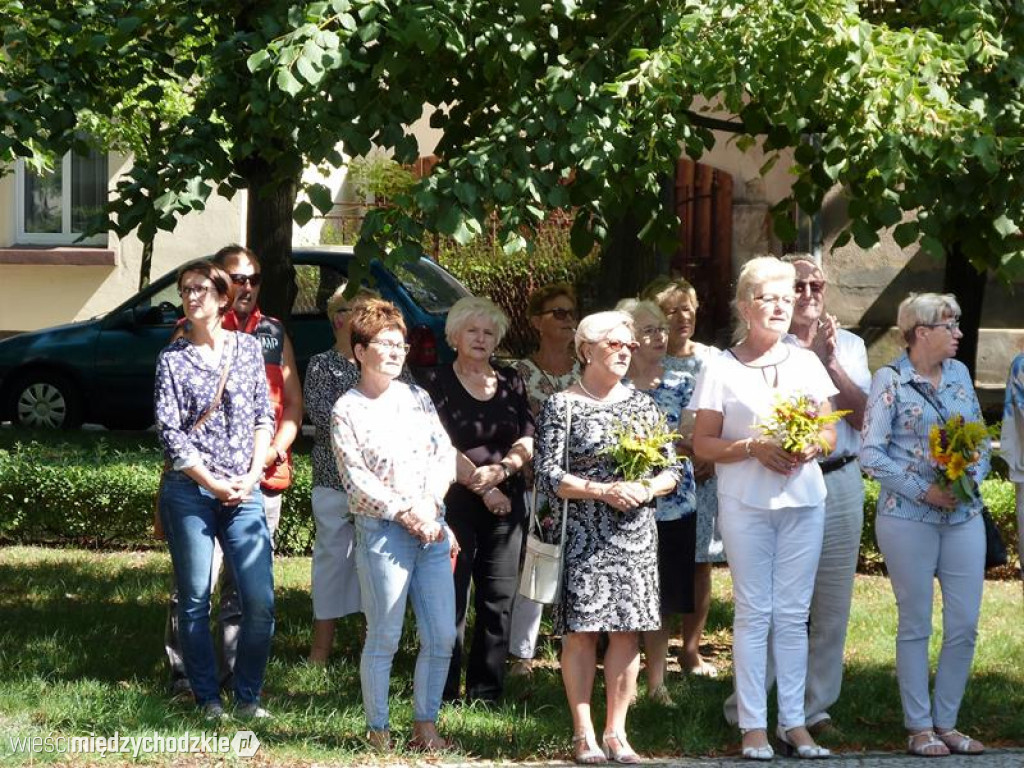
[98, 496]
[91, 492]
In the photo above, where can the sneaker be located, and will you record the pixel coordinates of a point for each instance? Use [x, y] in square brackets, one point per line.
[213, 710]
[252, 711]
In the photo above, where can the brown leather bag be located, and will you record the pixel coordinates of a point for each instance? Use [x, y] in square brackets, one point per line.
[158, 526]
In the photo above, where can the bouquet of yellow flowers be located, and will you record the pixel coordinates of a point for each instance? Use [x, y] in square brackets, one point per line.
[639, 449]
[795, 423]
[955, 447]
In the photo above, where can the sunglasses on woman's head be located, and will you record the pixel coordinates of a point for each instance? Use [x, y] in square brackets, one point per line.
[559, 313]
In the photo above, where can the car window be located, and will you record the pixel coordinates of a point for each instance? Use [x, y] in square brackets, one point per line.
[162, 308]
[315, 284]
[429, 285]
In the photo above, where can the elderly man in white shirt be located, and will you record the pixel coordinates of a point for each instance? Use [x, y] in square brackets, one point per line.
[845, 358]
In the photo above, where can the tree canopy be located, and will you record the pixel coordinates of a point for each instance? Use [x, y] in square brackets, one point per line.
[568, 103]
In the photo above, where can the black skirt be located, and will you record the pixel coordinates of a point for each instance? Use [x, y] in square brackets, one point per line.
[677, 548]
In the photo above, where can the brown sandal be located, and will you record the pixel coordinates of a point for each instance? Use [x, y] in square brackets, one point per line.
[960, 744]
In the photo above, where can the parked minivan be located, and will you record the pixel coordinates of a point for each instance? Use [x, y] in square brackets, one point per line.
[102, 370]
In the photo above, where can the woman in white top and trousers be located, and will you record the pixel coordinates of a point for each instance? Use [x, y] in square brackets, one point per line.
[770, 501]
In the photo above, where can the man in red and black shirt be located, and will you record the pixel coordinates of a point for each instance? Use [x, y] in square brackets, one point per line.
[286, 398]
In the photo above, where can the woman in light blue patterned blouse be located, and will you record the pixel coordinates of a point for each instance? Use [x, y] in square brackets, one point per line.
[215, 443]
[675, 514]
[923, 530]
[1012, 440]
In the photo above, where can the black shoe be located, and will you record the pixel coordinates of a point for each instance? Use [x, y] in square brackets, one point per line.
[181, 690]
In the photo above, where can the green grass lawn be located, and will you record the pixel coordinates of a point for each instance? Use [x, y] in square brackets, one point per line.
[81, 653]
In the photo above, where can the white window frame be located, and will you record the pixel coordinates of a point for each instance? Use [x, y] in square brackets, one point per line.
[65, 236]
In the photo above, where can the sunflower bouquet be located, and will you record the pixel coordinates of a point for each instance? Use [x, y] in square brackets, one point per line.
[955, 447]
[639, 449]
[795, 423]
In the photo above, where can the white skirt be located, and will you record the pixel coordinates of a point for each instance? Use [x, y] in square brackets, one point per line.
[335, 583]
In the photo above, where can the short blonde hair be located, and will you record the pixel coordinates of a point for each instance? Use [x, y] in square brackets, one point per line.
[755, 273]
[596, 327]
[470, 307]
[634, 307]
[661, 288]
[925, 309]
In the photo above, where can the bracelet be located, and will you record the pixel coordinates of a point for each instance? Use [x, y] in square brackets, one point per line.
[648, 492]
[748, 447]
[506, 468]
[488, 492]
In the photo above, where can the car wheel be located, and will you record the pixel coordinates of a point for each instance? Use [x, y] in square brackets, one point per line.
[45, 400]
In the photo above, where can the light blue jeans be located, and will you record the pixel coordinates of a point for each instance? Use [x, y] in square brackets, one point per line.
[915, 553]
[395, 567]
[193, 522]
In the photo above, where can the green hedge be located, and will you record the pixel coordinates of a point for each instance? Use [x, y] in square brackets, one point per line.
[92, 493]
[99, 496]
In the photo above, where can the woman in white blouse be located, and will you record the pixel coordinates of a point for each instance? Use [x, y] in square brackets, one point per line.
[396, 464]
[770, 501]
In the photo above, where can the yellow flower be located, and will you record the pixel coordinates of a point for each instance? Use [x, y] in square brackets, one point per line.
[956, 467]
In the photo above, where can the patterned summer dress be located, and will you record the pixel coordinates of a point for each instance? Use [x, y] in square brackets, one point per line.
[611, 558]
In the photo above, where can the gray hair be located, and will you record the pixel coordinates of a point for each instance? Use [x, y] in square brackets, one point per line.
[596, 327]
[471, 307]
[793, 258]
[634, 307]
[924, 309]
[756, 272]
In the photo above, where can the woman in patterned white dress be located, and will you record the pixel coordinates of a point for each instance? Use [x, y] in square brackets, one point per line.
[552, 368]
[610, 581]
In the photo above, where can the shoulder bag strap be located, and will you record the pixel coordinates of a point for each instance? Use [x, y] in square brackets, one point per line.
[568, 432]
[218, 394]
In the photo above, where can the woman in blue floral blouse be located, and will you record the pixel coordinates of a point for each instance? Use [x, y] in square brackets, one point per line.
[675, 514]
[215, 422]
[923, 529]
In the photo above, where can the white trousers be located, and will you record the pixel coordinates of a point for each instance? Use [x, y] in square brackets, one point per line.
[773, 556]
[335, 581]
[915, 553]
[832, 597]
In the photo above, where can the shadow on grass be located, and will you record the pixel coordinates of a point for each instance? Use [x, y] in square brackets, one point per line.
[81, 650]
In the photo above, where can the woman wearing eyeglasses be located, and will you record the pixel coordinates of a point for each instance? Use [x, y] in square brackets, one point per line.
[610, 580]
[485, 411]
[771, 503]
[330, 374]
[671, 387]
[678, 300]
[215, 422]
[552, 368]
[924, 530]
[396, 464]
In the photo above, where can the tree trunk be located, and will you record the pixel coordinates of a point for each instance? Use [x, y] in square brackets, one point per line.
[968, 284]
[146, 267]
[268, 232]
[627, 264]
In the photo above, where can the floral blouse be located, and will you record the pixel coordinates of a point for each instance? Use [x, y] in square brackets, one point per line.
[392, 450]
[328, 377]
[185, 386]
[1012, 439]
[540, 385]
[901, 410]
[672, 395]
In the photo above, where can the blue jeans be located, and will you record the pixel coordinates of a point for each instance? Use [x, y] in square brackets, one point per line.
[395, 567]
[193, 520]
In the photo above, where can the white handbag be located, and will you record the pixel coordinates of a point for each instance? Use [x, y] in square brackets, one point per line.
[541, 578]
